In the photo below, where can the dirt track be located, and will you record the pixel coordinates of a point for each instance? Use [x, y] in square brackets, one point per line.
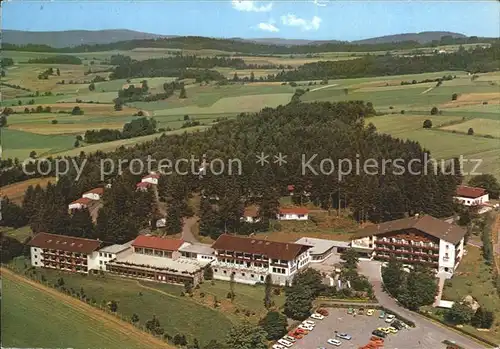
[124, 328]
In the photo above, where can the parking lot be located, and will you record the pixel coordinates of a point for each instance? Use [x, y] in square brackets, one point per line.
[360, 328]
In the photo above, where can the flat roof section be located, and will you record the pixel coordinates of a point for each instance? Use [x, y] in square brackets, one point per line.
[320, 246]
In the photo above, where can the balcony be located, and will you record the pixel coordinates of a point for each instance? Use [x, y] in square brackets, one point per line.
[424, 254]
[406, 244]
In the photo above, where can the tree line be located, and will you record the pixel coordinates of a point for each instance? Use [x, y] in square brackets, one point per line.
[135, 128]
[333, 131]
[59, 59]
[248, 47]
[474, 61]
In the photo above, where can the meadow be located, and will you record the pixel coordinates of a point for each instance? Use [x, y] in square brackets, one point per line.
[195, 317]
[477, 105]
[24, 308]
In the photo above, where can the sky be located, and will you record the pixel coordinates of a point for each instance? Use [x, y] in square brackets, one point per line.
[309, 19]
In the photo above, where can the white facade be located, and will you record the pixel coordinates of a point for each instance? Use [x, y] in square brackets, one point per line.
[473, 201]
[76, 206]
[250, 219]
[36, 257]
[37, 260]
[449, 257]
[256, 270]
[92, 196]
[150, 179]
[292, 216]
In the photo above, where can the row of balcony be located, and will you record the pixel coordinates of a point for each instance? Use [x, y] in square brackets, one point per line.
[64, 262]
[242, 256]
[409, 260]
[382, 249]
[409, 244]
[63, 253]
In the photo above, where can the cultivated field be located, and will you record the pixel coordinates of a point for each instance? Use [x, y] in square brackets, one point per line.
[33, 316]
[15, 192]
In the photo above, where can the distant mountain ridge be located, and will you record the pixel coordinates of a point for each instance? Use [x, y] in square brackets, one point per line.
[421, 38]
[70, 38]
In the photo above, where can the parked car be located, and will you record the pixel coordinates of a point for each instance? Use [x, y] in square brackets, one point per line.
[389, 318]
[300, 331]
[335, 342]
[289, 338]
[361, 311]
[379, 334]
[370, 312]
[285, 343]
[305, 327]
[322, 311]
[278, 346]
[397, 324]
[344, 336]
[392, 330]
[382, 314]
[317, 316]
[376, 339]
[309, 322]
[350, 311]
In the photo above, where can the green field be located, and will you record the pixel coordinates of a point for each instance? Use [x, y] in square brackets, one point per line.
[176, 314]
[473, 277]
[34, 319]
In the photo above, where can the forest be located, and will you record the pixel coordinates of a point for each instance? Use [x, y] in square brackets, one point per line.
[135, 128]
[474, 61]
[247, 47]
[175, 66]
[331, 130]
[59, 59]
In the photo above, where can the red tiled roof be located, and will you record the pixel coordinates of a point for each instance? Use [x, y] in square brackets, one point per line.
[64, 243]
[98, 191]
[83, 201]
[157, 243]
[143, 185]
[470, 192]
[294, 210]
[272, 249]
[291, 187]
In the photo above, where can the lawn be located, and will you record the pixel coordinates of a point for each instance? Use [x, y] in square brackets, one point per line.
[19, 144]
[480, 127]
[176, 314]
[20, 234]
[397, 123]
[31, 318]
[473, 277]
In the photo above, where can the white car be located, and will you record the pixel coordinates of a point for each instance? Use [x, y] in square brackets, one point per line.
[317, 316]
[309, 322]
[390, 318]
[277, 346]
[305, 327]
[289, 338]
[285, 343]
[333, 341]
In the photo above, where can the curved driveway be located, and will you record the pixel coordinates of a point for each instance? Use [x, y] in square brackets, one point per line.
[429, 329]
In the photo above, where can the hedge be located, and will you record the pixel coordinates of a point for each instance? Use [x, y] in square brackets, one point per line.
[466, 333]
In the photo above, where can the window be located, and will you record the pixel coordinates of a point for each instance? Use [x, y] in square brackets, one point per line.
[251, 275]
[36, 263]
[225, 272]
[216, 270]
[261, 278]
[100, 254]
[242, 274]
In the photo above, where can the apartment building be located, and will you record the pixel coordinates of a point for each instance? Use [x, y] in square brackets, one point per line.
[250, 260]
[63, 252]
[414, 240]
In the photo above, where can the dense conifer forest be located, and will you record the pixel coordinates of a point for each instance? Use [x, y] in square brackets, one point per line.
[333, 131]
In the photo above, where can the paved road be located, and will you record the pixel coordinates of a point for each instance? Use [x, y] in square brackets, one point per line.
[372, 270]
[187, 234]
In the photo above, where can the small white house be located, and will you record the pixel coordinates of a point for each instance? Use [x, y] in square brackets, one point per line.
[472, 196]
[143, 186]
[293, 214]
[80, 204]
[94, 194]
[151, 178]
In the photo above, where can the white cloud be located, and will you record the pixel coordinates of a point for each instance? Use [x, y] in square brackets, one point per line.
[321, 3]
[251, 6]
[294, 21]
[268, 27]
